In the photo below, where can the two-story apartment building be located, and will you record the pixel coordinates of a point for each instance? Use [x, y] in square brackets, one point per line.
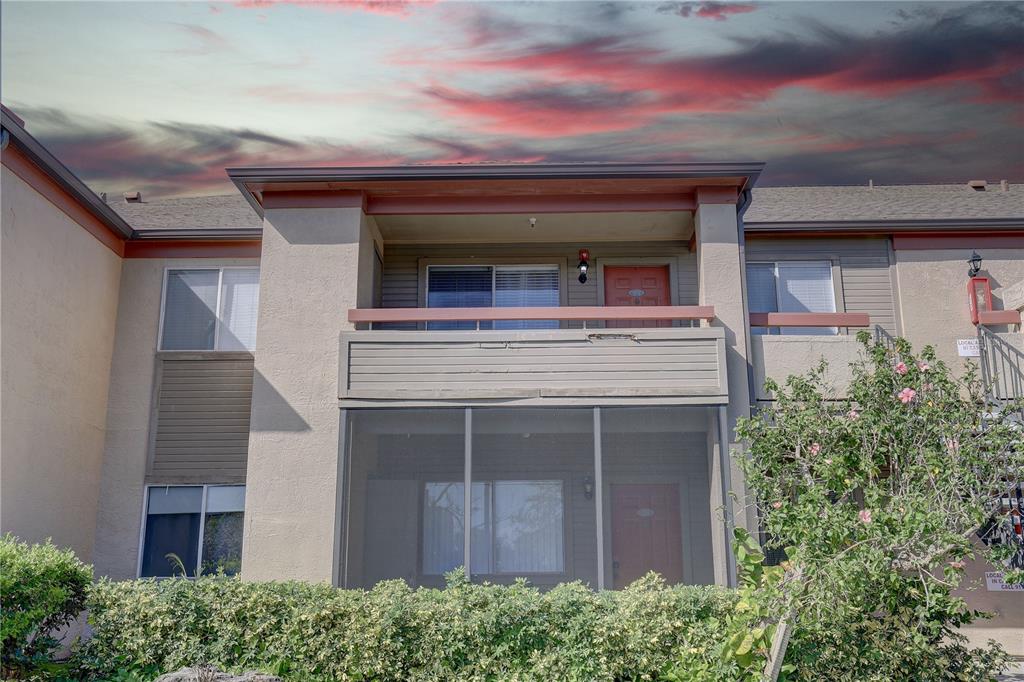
[357, 374]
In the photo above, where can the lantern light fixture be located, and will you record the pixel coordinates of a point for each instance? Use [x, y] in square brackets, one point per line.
[975, 264]
[584, 265]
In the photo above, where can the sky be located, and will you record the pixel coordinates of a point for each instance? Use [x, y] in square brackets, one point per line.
[162, 96]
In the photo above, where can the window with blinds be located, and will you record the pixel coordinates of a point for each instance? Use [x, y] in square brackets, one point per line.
[210, 309]
[791, 287]
[500, 286]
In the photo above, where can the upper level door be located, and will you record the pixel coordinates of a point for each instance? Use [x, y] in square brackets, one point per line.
[637, 285]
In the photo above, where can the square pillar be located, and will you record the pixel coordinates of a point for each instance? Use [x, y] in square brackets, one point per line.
[317, 262]
[721, 275]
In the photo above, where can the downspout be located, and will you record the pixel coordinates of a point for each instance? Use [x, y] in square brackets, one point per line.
[741, 209]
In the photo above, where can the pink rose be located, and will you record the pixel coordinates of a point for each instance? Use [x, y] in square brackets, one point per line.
[901, 368]
[923, 366]
[828, 461]
[776, 505]
[906, 395]
[815, 448]
[853, 414]
[864, 515]
[958, 565]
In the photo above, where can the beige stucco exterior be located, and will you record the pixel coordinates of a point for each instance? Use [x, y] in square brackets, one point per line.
[129, 411]
[779, 357]
[933, 294]
[60, 289]
[291, 514]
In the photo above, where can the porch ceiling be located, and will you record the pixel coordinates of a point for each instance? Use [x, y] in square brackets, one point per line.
[550, 227]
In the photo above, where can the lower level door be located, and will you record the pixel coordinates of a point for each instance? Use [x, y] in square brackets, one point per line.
[646, 532]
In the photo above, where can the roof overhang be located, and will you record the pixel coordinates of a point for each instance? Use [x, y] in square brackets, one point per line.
[16, 136]
[444, 189]
[879, 227]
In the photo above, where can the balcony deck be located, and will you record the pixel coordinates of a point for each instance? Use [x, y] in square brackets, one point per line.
[621, 366]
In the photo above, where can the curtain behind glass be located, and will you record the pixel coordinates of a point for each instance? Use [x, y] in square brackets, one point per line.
[240, 298]
[190, 310]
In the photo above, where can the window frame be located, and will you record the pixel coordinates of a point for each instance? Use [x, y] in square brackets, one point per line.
[216, 313]
[560, 477]
[836, 294]
[202, 522]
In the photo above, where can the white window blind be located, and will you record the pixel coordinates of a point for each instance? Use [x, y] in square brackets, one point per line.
[526, 288]
[791, 287]
[806, 288]
[210, 309]
[240, 302]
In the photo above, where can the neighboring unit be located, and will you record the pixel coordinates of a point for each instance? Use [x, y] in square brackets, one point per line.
[357, 374]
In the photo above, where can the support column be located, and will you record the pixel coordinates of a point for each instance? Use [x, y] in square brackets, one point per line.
[721, 272]
[317, 262]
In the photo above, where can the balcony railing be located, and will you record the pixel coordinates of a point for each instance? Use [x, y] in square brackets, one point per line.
[810, 320]
[627, 364]
[615, 314]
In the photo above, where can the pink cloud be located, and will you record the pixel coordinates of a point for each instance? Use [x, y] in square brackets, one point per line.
[399, 8]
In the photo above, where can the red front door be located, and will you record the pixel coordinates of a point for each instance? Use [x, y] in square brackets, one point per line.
[636, 286]
[646, 532]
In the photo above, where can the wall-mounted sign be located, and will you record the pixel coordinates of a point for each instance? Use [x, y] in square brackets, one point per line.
[968, 348]
[994, 583]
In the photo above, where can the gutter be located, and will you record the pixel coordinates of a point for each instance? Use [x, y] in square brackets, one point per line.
[886, 226]
[14, 133]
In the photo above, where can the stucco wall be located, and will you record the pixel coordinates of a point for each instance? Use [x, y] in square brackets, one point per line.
[316, 264]
[129, 411]
[778, 357]
[59, 301]
[932, 286]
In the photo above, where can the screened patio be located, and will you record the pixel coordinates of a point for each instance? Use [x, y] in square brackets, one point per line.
[597, 494]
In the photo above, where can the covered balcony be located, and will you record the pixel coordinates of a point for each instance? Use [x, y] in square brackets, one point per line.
[622, 354]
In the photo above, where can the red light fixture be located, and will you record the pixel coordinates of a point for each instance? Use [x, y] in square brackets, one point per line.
[584, 265]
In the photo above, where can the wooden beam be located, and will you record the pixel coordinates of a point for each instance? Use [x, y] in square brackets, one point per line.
[654, 312]
[192, 248]
[325, 199]
[987, 317]
[575, 203]
[810, 320]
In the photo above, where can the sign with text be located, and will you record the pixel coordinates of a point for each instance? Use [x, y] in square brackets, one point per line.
[968, 348]
[994, 583]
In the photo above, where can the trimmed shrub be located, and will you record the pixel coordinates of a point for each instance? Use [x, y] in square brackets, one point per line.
[393, 632]
[42, 589]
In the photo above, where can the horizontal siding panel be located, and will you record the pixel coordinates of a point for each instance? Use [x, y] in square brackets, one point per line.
[664, 362]
[202, 421]
[863, 266]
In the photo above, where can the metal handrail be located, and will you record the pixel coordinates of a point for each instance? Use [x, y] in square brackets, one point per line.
[1002, 369]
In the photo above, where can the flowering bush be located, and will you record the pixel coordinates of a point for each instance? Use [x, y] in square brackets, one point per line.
[878, 499]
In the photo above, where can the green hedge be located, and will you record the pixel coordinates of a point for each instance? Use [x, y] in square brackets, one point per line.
[42, 589]
[467, 632]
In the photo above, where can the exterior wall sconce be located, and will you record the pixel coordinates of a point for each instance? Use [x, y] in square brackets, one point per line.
[975, 264]
[979, 289]
[588, 487]
[584, 265]
[979, 296]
